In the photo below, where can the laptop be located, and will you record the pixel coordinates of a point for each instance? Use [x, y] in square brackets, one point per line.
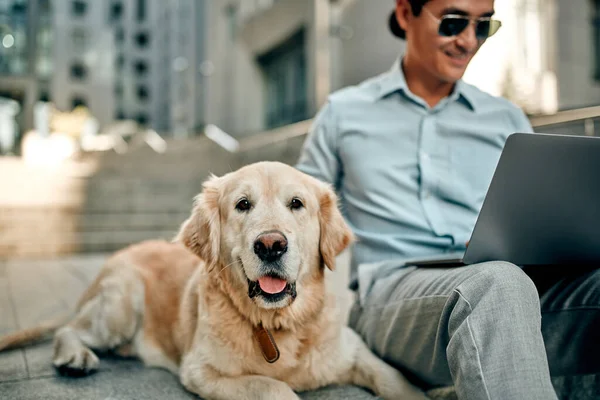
[542, 206]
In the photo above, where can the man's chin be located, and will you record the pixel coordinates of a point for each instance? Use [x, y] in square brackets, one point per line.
[450, 73]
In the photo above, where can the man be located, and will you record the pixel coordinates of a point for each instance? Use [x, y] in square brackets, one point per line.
[411, 153]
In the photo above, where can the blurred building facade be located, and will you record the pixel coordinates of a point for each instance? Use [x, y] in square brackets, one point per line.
[123, 59]
[272, 61]
[130, 59]
[267, 62]
[25, 54]
[577, 56]
[189, 37]
[84, 51]
[253, 65]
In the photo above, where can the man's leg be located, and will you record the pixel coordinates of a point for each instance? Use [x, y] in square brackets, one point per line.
[570, 302]
[476, 327]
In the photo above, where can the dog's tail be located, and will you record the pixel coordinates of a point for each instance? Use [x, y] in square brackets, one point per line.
[33, 335]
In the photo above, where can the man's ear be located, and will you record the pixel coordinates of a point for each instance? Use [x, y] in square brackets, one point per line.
[201, 231]
[335, 232]
[403, 13]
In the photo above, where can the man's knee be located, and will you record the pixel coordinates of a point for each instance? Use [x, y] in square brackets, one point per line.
[502, 280]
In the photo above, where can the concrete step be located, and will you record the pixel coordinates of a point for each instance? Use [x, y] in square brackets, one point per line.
[95, 222]
[174, 187]
[33, 229]
[113, 240]
[106, 201]
[124, 203]
[82, 242]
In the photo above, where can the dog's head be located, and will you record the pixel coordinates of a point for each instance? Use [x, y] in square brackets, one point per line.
[272, 226]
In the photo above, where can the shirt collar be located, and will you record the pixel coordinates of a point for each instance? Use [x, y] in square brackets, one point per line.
[394, 81]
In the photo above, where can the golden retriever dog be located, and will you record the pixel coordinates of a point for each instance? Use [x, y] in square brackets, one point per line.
[237, 304]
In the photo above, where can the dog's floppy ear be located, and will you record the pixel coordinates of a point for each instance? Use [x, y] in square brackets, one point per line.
[201, 231]
[335, 232]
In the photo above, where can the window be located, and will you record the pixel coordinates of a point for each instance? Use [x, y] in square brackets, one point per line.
[44, 59]
[19, 8]
[140, 67]
[78, 8]
[120, 35]
[120, 62]
[142, 39]
[120, 114]
[79, 39]
[142, 119]
[44, 96]
[119, 90]
[115, 12]
[141, 10]
[78, 71]
[284, 69]
[44, 7]
[232, 22]
[596, 41]
[142, 93]
[14, 36]
[77, 101]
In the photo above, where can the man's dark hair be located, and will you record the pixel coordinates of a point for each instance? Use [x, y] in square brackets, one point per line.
[416, 7]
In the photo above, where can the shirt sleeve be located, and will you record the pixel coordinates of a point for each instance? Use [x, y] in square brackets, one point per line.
[522, 124]
[319, 157]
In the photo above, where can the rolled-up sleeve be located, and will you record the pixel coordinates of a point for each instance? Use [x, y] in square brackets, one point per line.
[320, 157]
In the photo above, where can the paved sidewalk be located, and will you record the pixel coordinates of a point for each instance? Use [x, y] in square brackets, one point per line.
[33, 291]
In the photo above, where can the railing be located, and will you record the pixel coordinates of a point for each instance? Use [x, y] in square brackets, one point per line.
[276, 135]
[581, 121]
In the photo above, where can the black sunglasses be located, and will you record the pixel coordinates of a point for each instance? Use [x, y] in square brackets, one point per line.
[453, 24]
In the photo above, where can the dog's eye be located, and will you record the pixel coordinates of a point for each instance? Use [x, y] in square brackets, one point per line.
[243, 205]
[296, 203]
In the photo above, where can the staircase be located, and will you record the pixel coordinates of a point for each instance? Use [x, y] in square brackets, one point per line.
[106, 201]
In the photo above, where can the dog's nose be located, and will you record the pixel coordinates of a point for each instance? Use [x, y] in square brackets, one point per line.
[270, 246]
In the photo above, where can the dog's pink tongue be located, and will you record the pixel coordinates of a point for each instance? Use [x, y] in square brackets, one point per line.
[271, 285]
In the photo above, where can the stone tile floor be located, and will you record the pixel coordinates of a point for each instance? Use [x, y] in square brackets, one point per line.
[33, 291]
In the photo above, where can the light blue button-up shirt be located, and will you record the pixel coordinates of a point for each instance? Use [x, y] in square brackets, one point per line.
[411, 178]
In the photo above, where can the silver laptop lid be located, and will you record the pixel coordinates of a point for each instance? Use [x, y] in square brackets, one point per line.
[543, 203]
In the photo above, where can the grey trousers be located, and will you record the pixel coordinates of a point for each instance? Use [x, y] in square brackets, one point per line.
[484, 328]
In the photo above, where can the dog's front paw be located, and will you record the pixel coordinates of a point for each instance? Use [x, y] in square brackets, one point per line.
[79, 362]
[446, 393]
[392, 385]
[282, 392]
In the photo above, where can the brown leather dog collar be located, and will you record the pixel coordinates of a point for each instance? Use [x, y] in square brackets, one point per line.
[267, 344]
